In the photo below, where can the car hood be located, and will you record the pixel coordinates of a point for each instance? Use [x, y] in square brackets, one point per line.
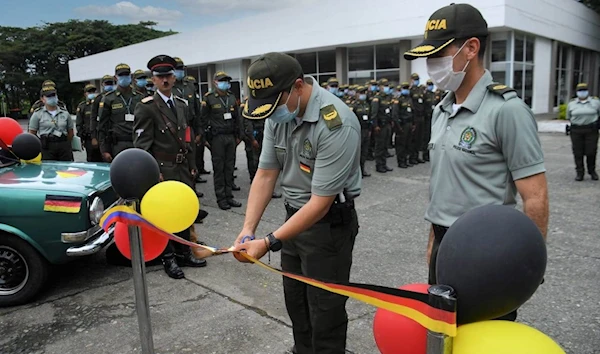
[75, 177]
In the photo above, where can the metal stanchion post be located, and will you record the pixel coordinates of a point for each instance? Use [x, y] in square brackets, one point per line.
[142, 306]
[438, 343]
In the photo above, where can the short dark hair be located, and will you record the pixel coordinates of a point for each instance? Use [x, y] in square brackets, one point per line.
[482, 45]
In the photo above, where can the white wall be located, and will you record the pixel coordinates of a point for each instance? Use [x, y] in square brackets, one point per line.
[542, 73]
[419, 66]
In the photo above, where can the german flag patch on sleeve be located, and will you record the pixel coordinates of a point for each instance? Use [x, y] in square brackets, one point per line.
[62, 204]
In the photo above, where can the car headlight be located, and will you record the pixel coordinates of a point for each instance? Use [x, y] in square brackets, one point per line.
[96, 210]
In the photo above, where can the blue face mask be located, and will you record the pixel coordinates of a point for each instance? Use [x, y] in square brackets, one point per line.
[362, 97]
[124, 81]
[141, 83]
[283, 115]
[91, 96]
[387, 90]
[223, 85]
[416, 83]
[179, 74]
[52, 101]
[405, 92]
[333, 90]
[430, 88]
[108, 88]
[583, 94]
[351, 93]
[339, 93]
[151, 88]
[373, 88]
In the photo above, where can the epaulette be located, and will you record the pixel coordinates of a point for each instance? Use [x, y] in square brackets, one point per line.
[395, 101]
[331, 117]
[182, 100]
[374, 99]
[207, 94]
[147, 99]
[501, 90]
[37, 109]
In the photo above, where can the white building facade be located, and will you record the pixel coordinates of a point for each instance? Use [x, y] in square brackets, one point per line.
[541, 48]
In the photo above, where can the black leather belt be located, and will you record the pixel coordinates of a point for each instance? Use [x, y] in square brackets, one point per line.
[175, 158]
[587, 126]
[56, 139]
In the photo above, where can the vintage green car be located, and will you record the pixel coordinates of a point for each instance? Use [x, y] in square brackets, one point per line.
[49, 214]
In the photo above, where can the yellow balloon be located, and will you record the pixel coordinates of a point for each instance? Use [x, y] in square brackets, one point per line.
[171, 205]
[37, 159]
[502, 337]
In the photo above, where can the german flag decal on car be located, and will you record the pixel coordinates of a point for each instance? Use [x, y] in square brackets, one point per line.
[62, 204]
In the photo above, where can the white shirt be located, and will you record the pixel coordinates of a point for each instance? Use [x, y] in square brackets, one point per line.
[165, 98]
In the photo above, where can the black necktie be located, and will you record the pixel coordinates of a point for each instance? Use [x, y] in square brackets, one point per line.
[172, 106]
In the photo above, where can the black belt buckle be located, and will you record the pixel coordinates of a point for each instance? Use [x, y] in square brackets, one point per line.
[179, 158]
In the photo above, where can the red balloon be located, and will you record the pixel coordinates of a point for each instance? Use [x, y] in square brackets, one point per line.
[9, 129]
[153, 243]
[396, 334]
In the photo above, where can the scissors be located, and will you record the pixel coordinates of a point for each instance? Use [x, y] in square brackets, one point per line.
[245, 238]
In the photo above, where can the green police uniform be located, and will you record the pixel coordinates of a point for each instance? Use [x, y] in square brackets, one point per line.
[416, 141]
[317, 154]
[190, 93]
[85, 124]
[362, 110]
[583, 115]
[403, 115]
[381, 115]
[115, 121]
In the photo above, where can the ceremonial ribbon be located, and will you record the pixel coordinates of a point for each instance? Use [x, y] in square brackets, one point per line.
[436, 317]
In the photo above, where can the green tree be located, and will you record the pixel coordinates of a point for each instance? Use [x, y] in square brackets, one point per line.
[28, 56]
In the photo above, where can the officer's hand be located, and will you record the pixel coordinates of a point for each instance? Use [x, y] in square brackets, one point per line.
[255, 249]
[255, 144]
[107, 157]
[198, 139]
[94, 142]
[377, 130]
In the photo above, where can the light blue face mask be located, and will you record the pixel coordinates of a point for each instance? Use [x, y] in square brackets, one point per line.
[340, 93]
[141, 83]
[179, 74]
[124, 81]
[416, 82]
[430, 88]
[91, 96]
[351, 93]
[223, 85]
[362, 97]
[282, 114]
[405, 92]
[373, 88]
[387, 90]
[583, 94]
[52, 101]
[108, 88]
[333, 90]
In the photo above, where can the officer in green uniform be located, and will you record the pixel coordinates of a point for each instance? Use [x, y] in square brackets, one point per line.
[54, 127]
[381, 115]
[333, 85]
[372, 90]
[362, 109]
[107, 85]
[416, 92]
[220, 114]
[403, 115]
[40, 103]
[160, 128]
[191, 95]
[140, 79]
[484, 146]
[431, 98]
[85, 123]
[341, 92]
[583, 113]
[319, 188]
[116, 115]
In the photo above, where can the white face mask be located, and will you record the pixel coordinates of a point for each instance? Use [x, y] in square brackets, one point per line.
[442, 73]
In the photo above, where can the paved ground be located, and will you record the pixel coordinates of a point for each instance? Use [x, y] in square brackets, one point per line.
[230, 307]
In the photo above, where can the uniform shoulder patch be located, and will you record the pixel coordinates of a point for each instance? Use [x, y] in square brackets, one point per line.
[207, 94]
[147, 99]
[182, 100]
[501, 90]
[331, 117]
[375, 99]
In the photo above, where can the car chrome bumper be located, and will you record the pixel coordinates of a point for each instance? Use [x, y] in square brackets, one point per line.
[98, 240]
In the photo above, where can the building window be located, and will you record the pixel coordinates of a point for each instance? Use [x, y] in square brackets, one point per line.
[320, 65]
[203, 79]
[512, 62]
[374, 62]
[327, 61]
[560, 89]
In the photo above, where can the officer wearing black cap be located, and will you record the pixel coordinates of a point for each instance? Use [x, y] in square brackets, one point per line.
[161, 123]
[381, 114]
[362, 109]
[403, 116]
[220, 114]
[431, 97]
[116, 115]
[85, 124]
[484, 146]
[313, 139]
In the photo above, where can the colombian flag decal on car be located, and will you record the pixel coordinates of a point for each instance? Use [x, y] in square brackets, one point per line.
[62, 204]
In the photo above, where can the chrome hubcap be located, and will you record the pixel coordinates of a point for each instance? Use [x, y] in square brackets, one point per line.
[14, 271]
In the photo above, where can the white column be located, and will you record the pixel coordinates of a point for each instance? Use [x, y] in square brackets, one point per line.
[405, 65]
[418, 66]
[542, 75]
[341, 64]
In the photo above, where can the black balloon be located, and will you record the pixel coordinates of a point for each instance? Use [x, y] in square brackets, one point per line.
[495, 258]
[133, 172]
[26, 146]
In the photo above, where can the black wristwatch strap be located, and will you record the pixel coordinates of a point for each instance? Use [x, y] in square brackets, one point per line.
[274, 244]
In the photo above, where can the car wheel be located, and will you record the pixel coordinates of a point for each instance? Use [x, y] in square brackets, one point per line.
[23, 271]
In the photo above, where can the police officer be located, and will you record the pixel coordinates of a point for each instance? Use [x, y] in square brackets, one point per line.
[362, 109]
[381, 115]
[484, 145]
[319, 188]
[54, 126]
[220, 114]
[431, 98]
[140, 79]
[416, 92]
[583, 113]
[40, 103]
[116, 115]
[333, 85]
[160, 125]
[373, 89]
[85, 124]
[403, 116]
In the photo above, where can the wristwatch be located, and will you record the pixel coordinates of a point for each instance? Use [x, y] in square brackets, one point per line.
[274, 243]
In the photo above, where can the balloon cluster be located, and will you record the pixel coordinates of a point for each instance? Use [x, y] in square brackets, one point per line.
[170, 205]
[27, 147]
[494, 257]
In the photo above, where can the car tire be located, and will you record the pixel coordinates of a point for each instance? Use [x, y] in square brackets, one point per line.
[23, 271]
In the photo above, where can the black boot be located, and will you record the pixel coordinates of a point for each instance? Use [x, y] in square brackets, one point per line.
[402, 164]
[594, 175]
[234, 187]
[224, 205]
[579, 176]
[381, 169]
[199, 179]
[234, 203]
[188, 260]
[172, 268]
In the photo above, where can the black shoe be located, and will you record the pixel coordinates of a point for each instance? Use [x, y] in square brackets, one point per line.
[234, 168]
[204, 172]
[579, 176]
[172, 268]
[234, 176]
[594, 175]
[276, 195]
[234, 187]
[188, 260]
[420, 161]
[200, 179]
[370, 158]
[388, 168]
[292, 350]
[224, 205]
[413, 162]
[233, 203]
[381, 169]
[202, 214]
[199, 194]
[402, 165]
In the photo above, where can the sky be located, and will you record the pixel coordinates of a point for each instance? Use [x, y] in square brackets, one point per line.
[177, 15]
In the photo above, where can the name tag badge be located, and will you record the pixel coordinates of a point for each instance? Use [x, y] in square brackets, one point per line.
[365, 117]
[387, 111]
[420, 100]
[129, 118]
[227, 115]
[409, 110]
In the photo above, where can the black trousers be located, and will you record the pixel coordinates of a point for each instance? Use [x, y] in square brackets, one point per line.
[403, 135]
[381, 143]
[200, 154]
[58, 151]
[439, 232]
[324, 251]
[92, 152]
[176, 248]
[365, 141]
[416, 139]
[584, 139]
[252, 157]
[426, 136]
[223, 159]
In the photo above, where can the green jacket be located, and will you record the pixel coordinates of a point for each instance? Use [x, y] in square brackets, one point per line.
[115, 118]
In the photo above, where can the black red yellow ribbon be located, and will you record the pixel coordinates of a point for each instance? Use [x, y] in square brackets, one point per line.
[436, 317]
